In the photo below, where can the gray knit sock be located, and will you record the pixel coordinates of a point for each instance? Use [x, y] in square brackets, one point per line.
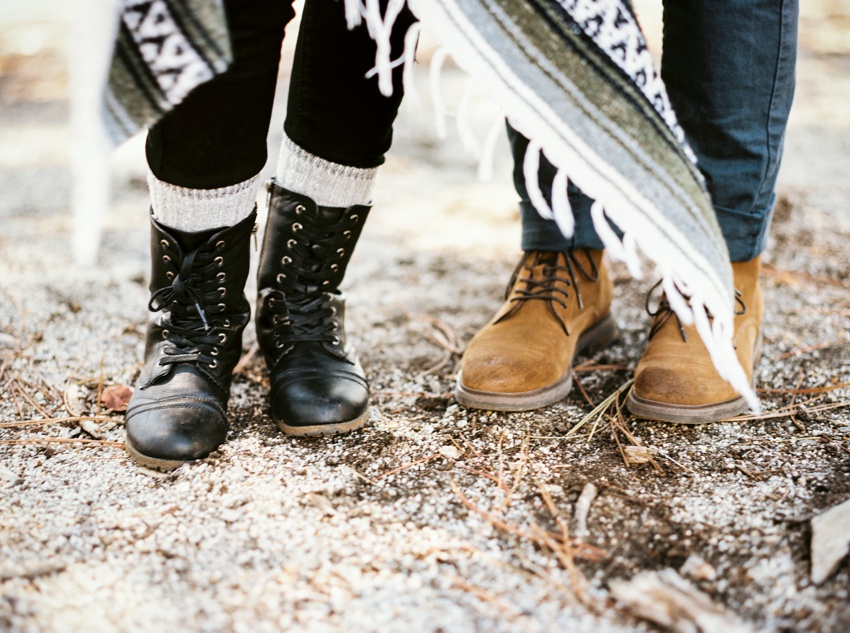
[325, 183]
[194, 210]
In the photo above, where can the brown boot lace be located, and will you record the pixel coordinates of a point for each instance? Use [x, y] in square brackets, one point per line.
[663, 311]
[546, 287]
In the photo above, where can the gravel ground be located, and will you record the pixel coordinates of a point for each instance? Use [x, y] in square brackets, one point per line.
[434, 517]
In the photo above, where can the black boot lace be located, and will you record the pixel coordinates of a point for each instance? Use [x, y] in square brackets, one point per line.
[311, 269]
[549, 286]
[662, 312]
[191, 305]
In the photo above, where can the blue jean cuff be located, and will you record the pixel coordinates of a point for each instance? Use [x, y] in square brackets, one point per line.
[745, 233]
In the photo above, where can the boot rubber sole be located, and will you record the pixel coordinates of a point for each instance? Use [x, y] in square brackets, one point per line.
[315, 430]
[691, 414]
[591, 340]
[154, 463]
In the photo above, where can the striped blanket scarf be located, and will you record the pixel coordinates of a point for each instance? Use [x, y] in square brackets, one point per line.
[573, 76]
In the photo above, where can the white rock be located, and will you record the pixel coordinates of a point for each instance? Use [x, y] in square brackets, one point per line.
[830, 541]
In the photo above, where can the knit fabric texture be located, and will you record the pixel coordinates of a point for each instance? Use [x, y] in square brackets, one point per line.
[195, 210]
[327, 184]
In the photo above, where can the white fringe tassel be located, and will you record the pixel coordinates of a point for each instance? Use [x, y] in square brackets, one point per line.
[616, 198]
[485, 164]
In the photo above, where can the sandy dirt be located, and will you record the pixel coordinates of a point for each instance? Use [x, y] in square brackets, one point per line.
[434, 517]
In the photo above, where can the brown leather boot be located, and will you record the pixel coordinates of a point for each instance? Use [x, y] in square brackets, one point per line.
[675, 380]
[557, 305]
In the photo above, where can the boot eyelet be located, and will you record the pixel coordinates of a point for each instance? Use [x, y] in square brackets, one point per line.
[166, 259]
[300, 208]
[221, 277]
[165, 244]
[279, 344]
[280, 278]
[333, 309]
[290, 243]
[326, 282]
[226, 323]
[341, 251]
[214, 351]
[286, 259]
[223, 337]
[354, 216]
[347, 234]
[219, 261]
[165, 333]
[219, 245]
[296, 226]
[222, 291]
[213, 364]
[222, 307]
[169, 275]
[336, 340]
[334, 267]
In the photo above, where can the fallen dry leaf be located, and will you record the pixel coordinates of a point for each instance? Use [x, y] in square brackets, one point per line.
[116, 397]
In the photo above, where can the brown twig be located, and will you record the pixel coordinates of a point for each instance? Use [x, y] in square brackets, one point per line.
[406, 466]
[489, 598]
[813, 348]
[64, 440]
[243, 362]
[583, 390]
[594, 367]
[27, 397]
[40, 422]
[804, 392]
[786, 412]
[440, 333]
[772, 271]
[10, 389]
[793, 417]
[564, 550]
[99, 388]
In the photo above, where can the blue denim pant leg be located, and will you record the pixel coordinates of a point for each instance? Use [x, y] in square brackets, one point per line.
[729, 68]
[539, 234]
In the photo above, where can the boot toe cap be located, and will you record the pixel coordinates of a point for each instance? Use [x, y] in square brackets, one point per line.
[177, 432]
[677, 387]
[510, 372]
[320, 400]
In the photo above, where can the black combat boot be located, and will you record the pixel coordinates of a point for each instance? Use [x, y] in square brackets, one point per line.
[178, 411]
[317, 385]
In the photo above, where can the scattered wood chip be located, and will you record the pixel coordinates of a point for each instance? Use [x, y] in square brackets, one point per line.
[639, 454]
[830, 541]
[696, 568]
[664, 597]
[322, 503]
[30, 570]
[75, 399]
[588, 494]
[7, 340]
[449, 452]
[8, 475]
[116, 397]
[92, 428]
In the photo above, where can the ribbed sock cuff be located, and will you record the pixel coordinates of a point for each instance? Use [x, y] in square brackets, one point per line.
[194, 210]
[327, 184]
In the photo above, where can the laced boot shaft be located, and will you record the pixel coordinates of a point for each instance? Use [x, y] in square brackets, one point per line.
[193, 342]
[317, 385]
[557, 305]
[675, 379]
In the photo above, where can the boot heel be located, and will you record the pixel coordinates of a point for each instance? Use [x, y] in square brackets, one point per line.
[597, 336]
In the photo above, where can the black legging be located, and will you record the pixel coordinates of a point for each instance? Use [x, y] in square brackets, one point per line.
[217, 136]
